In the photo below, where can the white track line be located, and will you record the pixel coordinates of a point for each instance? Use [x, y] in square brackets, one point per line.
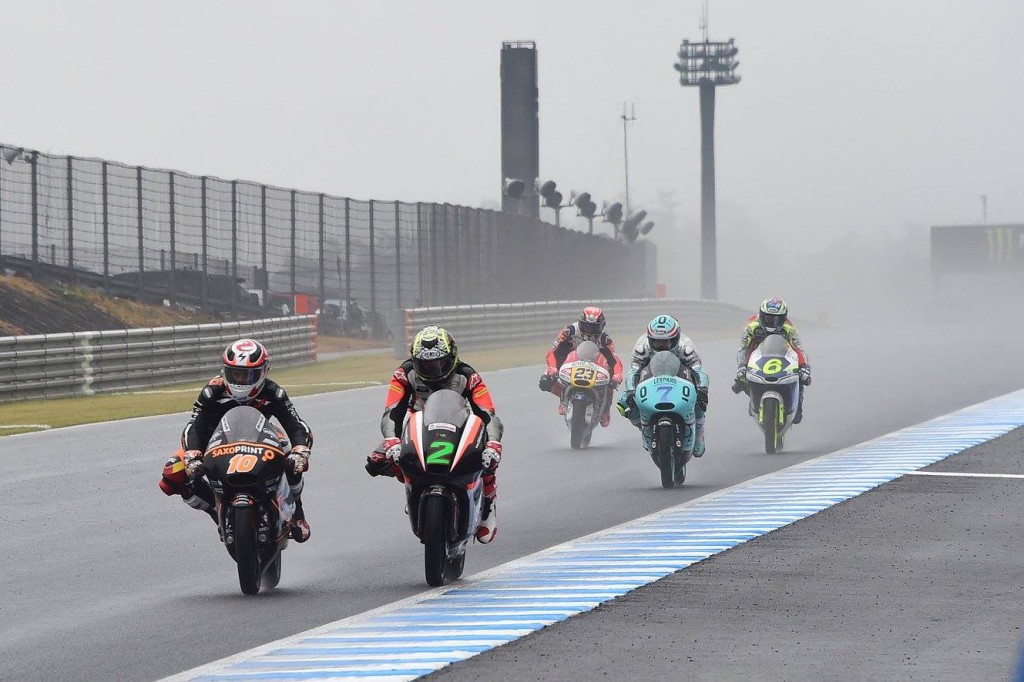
[964, 474]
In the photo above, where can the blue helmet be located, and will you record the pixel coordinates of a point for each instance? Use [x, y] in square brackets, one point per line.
[663, 333]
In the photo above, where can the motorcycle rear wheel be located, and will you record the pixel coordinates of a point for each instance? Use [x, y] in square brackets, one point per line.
[454, 567]
[272, 573]
[435, 540]
[771, 426]
[247, 554]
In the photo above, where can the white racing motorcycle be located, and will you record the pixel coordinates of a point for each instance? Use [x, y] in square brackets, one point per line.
[773, 384]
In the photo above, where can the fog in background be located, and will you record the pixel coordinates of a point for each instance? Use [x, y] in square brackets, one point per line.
[855, 127]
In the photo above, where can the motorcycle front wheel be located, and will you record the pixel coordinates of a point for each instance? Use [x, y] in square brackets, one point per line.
[578, 429]
[771, 425]
[247, 555]
[666, 460]
[435, 540]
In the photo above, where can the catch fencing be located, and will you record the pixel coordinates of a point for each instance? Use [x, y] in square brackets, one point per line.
[85, 363]
[157, 234]
[512, 324]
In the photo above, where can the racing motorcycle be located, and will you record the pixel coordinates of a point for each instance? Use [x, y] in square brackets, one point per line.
[773, 383]
[441, 461]
[667, 404]
[585, 383]
[245, 464]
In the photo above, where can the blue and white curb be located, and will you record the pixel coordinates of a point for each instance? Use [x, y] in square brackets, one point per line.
[416, 636]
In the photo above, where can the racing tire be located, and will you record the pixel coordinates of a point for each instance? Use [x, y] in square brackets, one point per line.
[771, 426]
[666, 458]
[272, 573]
[454, 566]
[435, 540]
[247, 551]
[578, 427]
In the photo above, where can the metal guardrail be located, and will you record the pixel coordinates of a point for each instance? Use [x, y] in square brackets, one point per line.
[85, 363]
[509, 324]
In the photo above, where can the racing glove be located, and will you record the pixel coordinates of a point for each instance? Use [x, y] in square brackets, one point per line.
[702, 398]
[377, 463]
[547, 380]
[193, 464]
[299, 458]
[805, 375]
[491, 456]
[740, 382]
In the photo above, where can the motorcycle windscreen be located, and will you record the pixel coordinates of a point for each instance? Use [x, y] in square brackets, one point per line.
[587, 351]
[775, 346]
[664, 363]
[245, 423]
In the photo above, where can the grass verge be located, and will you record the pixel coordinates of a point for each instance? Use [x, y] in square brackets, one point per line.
[334, 375]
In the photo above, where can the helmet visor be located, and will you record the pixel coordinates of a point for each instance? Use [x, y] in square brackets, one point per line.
[593, 329]
[663, 344]
[772, 322]
[433, 370]
[243, 376]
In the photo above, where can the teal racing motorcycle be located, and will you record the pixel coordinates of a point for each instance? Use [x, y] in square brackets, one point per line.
[667, 405]
[773, 383]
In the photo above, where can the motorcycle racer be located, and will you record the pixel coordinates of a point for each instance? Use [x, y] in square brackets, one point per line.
[772, 318]
[589, 327]
[434, 364]
[242, 381]
[664, 333]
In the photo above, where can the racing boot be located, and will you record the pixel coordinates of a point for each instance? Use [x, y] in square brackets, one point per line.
[799, 409]
[606, 417]
[300, 527]
[698, 438]
[488, 527]
[199, 495]
[561, 408]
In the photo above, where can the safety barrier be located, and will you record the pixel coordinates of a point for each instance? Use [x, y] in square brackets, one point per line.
[84, 363]
[510, 324]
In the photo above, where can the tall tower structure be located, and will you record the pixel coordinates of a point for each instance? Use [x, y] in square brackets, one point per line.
[707, 65]
[520, 130]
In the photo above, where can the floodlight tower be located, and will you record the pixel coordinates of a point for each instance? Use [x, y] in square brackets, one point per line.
[707, 65]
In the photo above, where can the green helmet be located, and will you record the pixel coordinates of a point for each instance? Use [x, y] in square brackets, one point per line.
[773, 313]
[434, 354]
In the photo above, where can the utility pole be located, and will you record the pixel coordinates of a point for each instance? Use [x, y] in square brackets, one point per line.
[625, 144]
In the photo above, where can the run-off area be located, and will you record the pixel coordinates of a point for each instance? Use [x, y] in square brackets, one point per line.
[920, 578]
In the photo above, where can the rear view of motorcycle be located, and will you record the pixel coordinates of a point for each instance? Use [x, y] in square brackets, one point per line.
[773, 383]
[441, 462]
[585, 381]
[245, 464]
[667, 404]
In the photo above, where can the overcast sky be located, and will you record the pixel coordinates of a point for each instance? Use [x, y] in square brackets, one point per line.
[867, 117]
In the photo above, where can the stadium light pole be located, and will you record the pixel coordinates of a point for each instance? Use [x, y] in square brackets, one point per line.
[707, 65]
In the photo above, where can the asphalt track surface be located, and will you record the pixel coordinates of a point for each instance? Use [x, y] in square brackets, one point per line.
[102, 577]
[920, 578]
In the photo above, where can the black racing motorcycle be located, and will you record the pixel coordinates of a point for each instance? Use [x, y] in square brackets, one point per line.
[245, 463]
[441, 461]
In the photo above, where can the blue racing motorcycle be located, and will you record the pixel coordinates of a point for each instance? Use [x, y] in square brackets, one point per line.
[667, 405]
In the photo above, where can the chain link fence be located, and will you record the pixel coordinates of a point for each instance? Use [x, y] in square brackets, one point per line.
[238, 246]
